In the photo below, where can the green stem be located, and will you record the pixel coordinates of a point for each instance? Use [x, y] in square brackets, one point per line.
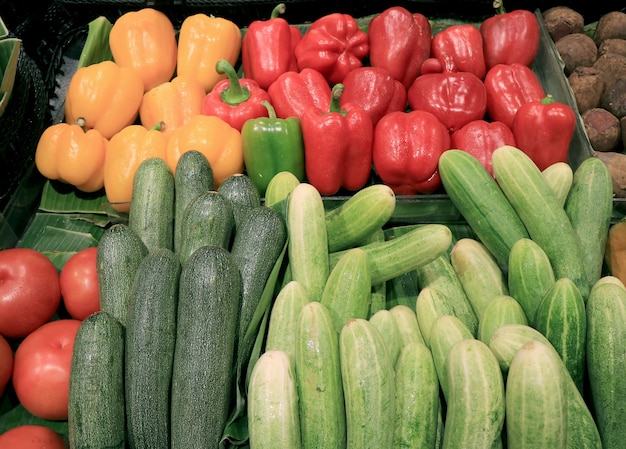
[499, 6]
[278, 10]
[235, 93]
[548, 99]
[335, 97]
[270, 109]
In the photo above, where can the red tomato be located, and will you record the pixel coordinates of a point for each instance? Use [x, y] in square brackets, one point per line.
[79, 284]
[31, 437]
[30, 291]
[6, 363]
[41, 369]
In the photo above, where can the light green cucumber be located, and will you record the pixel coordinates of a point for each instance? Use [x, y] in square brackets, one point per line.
[388, 327]
[272, 410]
[538, 207]
[475, 400]
[480, 275]
[482, 203]
[561, 317]
[347, 292]
[503, 309]
[378, 297]
[368, 384]
[308, 241]
[280, 187]
[242, 194]
[283, 323]
[318, 380]
[406, 319]
[361, 214]
[530, 276]
[418, 404]
[559, 177]
[151, 213]
[536, 399]
[430, 305]
[606, 364]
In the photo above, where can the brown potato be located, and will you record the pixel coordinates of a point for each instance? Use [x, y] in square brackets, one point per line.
[614, 98]
[603, 129]
[587, 87]
[611, 25]
[563, 20]
[610, 67]
[612, 46]
[576, 50]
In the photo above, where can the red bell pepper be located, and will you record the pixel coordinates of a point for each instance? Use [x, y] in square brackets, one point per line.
[480, 138]
[375, 90]
[510, 37]
[235, 100]
[294, 92]
[399, 41]
[337, 145]
[459, 48]
[455, 98]
[508, 87]
[543, 130]
[406, 151]
[267, 48]
[334, 44]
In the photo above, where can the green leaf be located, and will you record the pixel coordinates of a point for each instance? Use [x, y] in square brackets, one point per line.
[20, 416]
[96, 48]
[9, 55]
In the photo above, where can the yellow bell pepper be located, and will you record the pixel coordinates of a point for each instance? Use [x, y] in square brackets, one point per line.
[105, 95]
[173, 103]
[69, 153]
[127, 149]
[202, 41]
[213, 137]
[145, 40]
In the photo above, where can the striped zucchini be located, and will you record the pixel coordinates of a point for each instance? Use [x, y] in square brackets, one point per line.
[406, 319]
[606, 364]
[272, 410]
[503, 309]
[475, 400]
[348, 290]
[545, 219]
[318, 380]
[368, 384]
[149, 349]
[559, 177]
[482, 203]
[96, 408]
[430, 305]
[562, 319]
[361, 214]
[536, 399]
[387, 325]
[283, 325]
[530, 276]
[418, 404]
[308, 240]
[151, 213]
[242, 194]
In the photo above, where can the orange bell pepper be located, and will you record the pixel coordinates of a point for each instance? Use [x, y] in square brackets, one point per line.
[213, 137]
[202, 41]
[145, 40]
[105, 95]
[173, 103]
[127, 149]
[69, 153]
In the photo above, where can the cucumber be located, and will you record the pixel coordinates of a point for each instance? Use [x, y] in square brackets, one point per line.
[273, 410]
[503, 309]
[283, 325]
[475, 399]
[561, 317]
[151, 213]
[193, 176]
[606, 364]
[149, 342]
[368, 385]
[589, 207]
[318, 380]
[347, 292]
[308, 240]
[418, 405]
[96, 408]
[208, 220]
[280, 187]
[378, 297]
[530, 276]
[559, 177]
[206, 328]
[545, 219]
[408, 326]
[242, 194]
[430, 305]
[120, 252]
[386, 324]
[536, 399]
[391, 258]
[473, 190]
[440, 275]
[480, 275]
[361, 214]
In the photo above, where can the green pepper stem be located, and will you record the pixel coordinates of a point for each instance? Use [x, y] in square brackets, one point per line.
[82, 122]
[548, 99]
[278, 10]
[271, 112]
[499, 6]
[235, 93]
[335, 98]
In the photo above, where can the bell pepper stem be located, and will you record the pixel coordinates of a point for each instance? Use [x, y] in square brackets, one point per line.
[82, 122]
[335, 98]
[235, 93]
[278, 10]
[498, 5]
[548, 99]
[271, 112]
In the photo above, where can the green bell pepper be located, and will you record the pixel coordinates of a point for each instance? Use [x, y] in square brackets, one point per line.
[271, 145]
